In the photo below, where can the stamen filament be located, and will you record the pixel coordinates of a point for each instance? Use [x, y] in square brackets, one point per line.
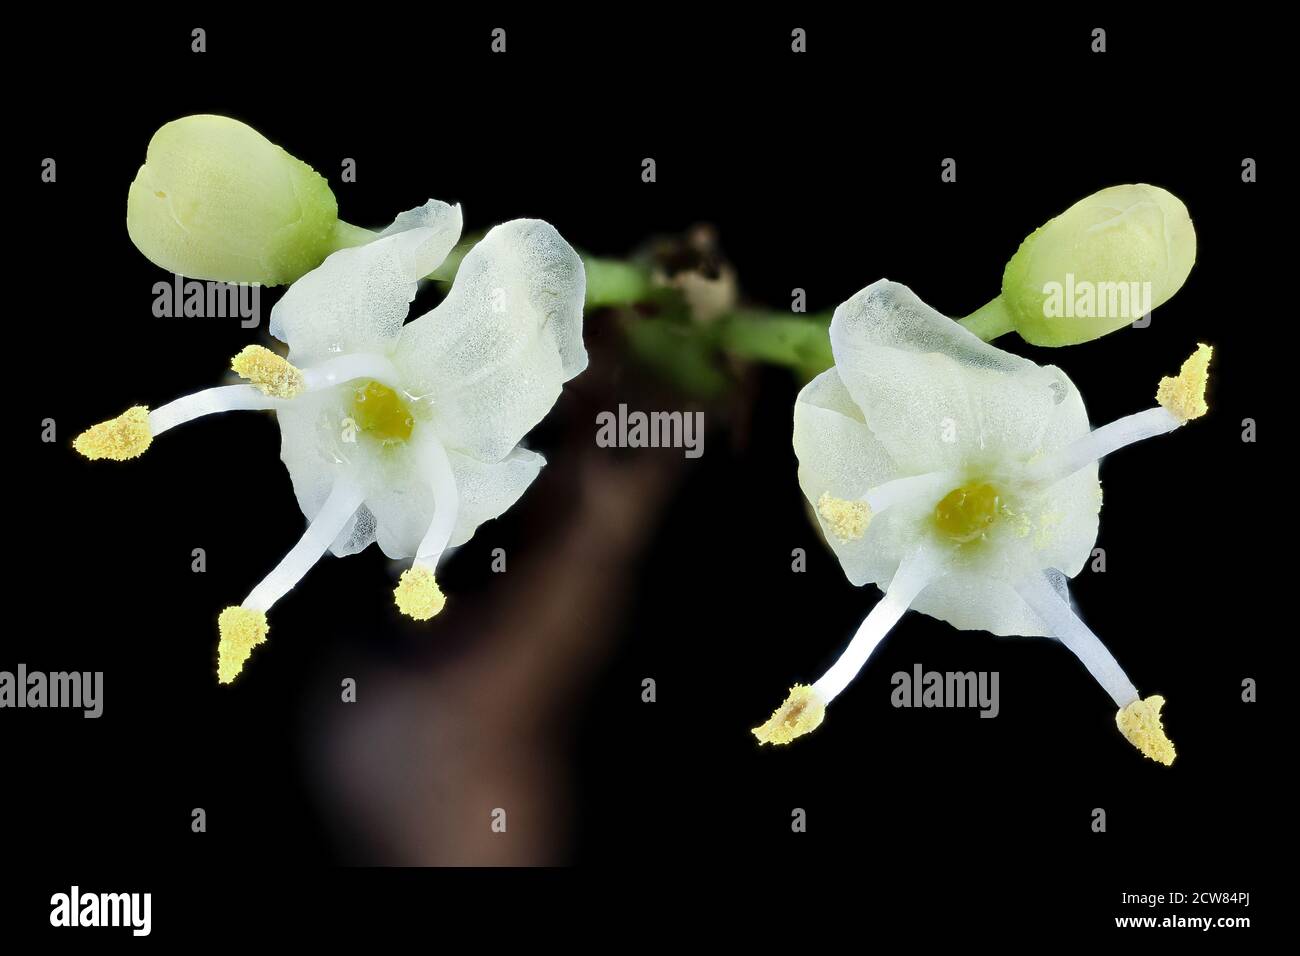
[417, 593]
[1181, 398]
[437, 466]
[343, 501]
[1078, 637]
[1101, 442]
[916, 571]
[904, 489]
[1138, 719]
[223, 398]
[244, 627]
[347, 368]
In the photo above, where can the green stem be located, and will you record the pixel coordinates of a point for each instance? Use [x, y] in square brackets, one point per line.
[992, 320]
[613, 282]
[347, 235]
[778, 338]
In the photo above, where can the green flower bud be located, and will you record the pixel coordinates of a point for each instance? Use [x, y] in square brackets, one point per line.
[216, 200]
[1100, 265]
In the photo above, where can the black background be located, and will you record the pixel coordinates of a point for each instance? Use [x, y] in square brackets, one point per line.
[819, 171]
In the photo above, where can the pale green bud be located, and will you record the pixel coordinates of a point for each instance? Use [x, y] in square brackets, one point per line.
[216, 200]
[1100, 265]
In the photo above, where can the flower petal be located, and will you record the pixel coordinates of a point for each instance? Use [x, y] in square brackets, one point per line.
[487, 490]
[314, 447]
[1067, 520]
[936, 395]
[838, 455]
[936, 398]
[357, 299]
[975, 602]
[492, 357]
[403, 513]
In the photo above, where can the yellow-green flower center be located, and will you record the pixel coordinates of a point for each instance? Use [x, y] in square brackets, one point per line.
[381, 413]
[967, 513]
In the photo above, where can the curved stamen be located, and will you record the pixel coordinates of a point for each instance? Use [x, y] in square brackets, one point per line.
[436, 467]
[804, 709]
[223, 398]
[244, 627]
[1078, 637]
[1181, 398]
[272, 380]
[344, 499]
[131, 433]
[916, 571]
[417, 593]
[1138, 719]
[1100, 442]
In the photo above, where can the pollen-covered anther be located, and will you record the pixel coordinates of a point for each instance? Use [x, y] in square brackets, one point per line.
[848, 520]
[1184, 396]
[801, 713]
[118, 439]
[1139, 722]
[271, 373]
[241, 629]
[417, 593]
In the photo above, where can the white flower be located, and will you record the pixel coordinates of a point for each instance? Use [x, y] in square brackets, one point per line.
[962, 480]
[404, 434]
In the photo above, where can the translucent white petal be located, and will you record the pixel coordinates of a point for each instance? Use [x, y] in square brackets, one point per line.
[939, 397]
[315, 448]
[840, 456]
[491, 358]
[974, 602]
[319, 442]
[403, 514]
[913, 392]
[1065, 522]
[487, 490]
[1066, 512]
[357, 299]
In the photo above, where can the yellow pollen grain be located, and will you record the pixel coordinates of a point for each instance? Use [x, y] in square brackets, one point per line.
[272, 374]
[118, 439]
[1139, 722]
[1184, 396]
[242, 629]
[417, 594]
[848, 520]
[802, 712]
